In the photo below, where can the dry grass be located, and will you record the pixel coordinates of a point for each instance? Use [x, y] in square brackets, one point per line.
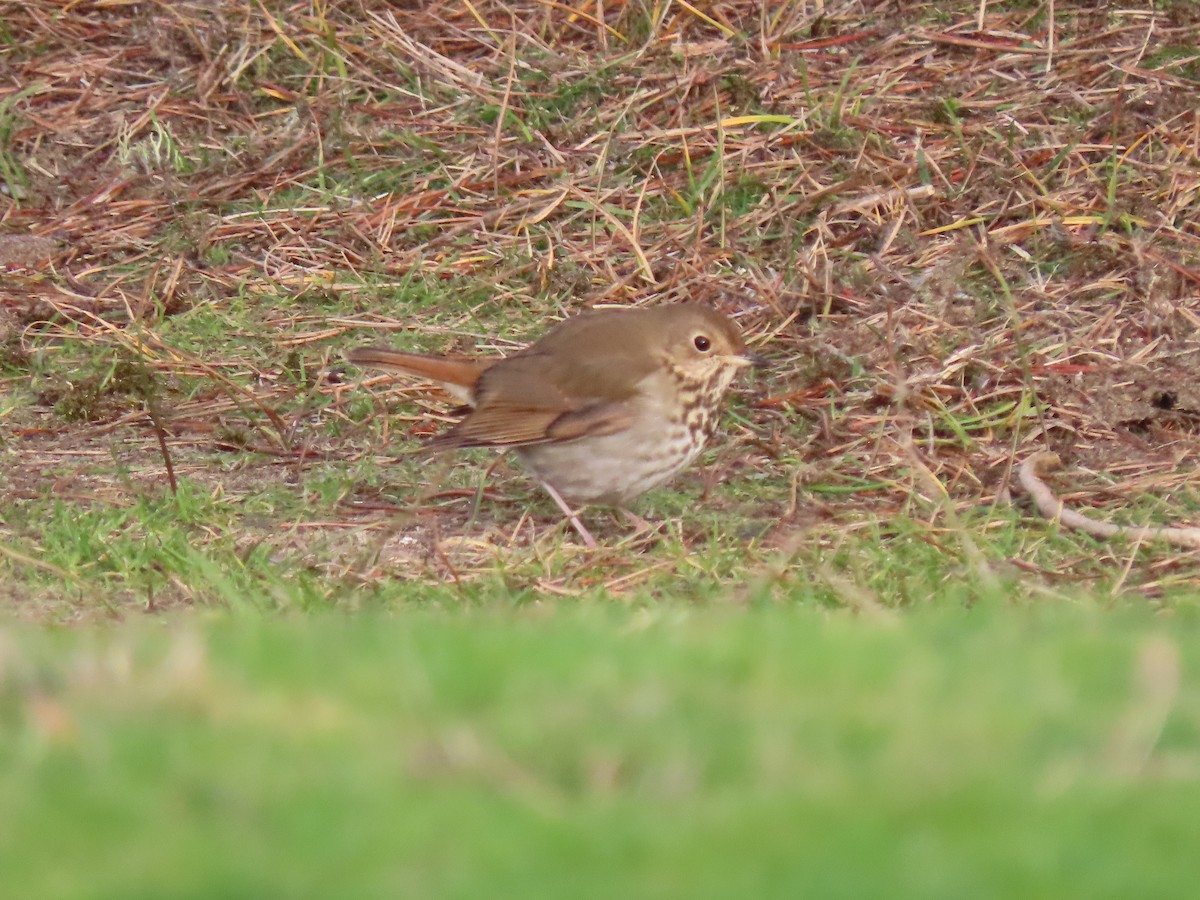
[964, 233]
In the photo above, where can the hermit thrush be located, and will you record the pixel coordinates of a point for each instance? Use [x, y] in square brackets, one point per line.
[604, 407]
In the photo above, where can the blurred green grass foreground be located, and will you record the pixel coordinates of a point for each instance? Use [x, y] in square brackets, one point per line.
[604, 752]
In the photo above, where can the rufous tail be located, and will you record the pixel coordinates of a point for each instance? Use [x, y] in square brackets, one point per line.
[457, 374]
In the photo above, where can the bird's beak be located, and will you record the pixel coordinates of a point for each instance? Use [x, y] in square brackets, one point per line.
[750, 358]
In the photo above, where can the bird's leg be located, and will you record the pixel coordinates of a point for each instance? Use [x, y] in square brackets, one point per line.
[641, 527]
[588, 540]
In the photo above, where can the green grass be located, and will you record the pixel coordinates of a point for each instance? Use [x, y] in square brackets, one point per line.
[846, 666]
[587, 751]
[346, 536]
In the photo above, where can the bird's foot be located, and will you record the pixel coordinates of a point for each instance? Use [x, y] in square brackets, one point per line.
[644, 531]
[572, 517]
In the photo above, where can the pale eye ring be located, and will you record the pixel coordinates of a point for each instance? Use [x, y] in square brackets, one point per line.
[702, 343]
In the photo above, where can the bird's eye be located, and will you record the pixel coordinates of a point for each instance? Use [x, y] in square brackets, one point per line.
[702, 343]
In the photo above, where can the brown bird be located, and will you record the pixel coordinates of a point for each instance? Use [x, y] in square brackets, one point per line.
[605, 406]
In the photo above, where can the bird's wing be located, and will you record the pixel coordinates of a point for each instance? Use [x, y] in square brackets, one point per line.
[502, 426]
[517, 404]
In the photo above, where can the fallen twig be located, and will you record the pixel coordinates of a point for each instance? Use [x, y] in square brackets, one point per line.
[1054, 509]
